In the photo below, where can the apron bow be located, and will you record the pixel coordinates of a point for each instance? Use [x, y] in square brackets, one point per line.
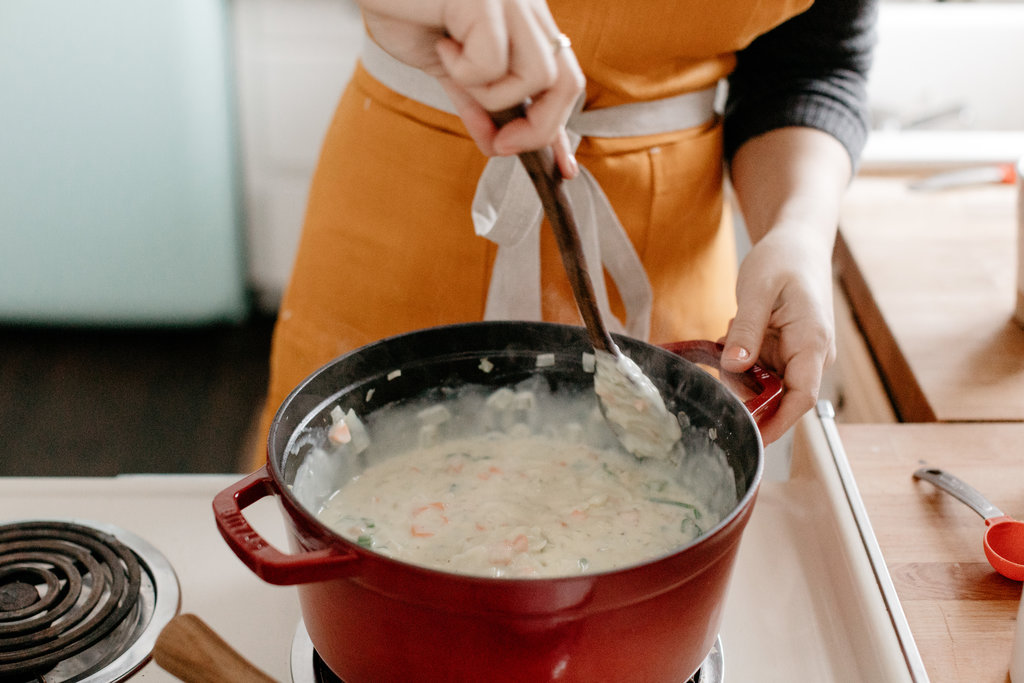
[507, 210]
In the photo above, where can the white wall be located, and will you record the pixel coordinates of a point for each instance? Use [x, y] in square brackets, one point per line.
[293, 59]
[932, 57]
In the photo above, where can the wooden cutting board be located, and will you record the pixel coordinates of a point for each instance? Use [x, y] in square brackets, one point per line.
[962, 613]
[931, 278]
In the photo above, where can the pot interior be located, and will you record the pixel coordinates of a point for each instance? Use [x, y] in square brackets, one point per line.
[459, 365]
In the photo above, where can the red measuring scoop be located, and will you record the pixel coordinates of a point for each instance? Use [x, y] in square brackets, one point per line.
[1004, 538]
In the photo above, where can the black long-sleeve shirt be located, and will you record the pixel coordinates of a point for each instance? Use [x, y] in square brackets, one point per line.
[809, 71]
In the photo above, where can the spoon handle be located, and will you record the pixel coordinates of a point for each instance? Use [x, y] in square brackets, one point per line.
[192, 652]
[543, 171]
[959, 490]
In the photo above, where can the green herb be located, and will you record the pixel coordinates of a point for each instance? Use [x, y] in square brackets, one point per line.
[365, 540]
[687, 522]
[677, 503]
[467, 456]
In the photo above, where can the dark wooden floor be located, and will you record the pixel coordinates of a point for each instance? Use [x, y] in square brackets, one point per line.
[100, 402]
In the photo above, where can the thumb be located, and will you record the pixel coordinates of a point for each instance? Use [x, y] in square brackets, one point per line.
[743, 340]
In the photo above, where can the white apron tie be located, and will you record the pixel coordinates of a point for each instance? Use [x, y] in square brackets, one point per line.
[507, 210]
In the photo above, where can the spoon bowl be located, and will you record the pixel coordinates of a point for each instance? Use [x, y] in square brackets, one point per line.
[1004, 546]
[1004, 537]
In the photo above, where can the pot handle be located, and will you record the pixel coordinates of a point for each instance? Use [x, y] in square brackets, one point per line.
[266, 561]
[766, 386]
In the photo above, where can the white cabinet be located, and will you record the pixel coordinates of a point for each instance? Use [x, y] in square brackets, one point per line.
[293, 59]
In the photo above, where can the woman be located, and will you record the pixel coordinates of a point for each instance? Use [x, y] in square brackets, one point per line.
[389, 245]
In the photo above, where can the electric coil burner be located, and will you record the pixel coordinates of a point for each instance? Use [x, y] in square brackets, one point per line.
[308, 667]
[79, 601]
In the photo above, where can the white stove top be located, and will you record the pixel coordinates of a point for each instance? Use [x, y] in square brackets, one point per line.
[803, 603]
[174, 514]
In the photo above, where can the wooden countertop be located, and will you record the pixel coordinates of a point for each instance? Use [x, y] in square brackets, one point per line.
[931, 278]
[962, 613]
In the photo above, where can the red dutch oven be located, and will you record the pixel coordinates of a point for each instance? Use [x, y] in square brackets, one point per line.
[376, 619]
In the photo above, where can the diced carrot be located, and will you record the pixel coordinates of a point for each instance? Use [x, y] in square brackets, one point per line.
[419, 529]
[436, 505]
[419, 532]
[491, 471]
[339, 433]
[520, 543]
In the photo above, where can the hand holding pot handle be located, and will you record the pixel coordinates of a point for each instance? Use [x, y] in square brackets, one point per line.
[266, 561]
[191, 651]
[766, 386]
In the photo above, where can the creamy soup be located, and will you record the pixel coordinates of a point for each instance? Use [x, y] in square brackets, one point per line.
[516, 506]
[531, 493]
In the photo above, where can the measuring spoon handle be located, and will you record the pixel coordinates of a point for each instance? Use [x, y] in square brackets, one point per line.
[959, 490]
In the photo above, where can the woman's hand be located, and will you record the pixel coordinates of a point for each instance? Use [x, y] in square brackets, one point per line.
[789, 184]
[784, 319]
[489, 55]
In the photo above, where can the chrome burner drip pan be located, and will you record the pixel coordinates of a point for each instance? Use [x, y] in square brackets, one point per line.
[79, 601]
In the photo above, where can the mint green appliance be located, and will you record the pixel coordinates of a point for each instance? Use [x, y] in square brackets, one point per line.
[119, 201]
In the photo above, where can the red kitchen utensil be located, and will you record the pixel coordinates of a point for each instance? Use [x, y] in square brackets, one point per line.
[1004, 538]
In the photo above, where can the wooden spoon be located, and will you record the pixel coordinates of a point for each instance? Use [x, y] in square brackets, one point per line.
[631, 403]
[194, 653]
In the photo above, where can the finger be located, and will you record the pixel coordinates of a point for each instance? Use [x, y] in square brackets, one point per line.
[546, 116]
[481, 128]
[470, 66]
[564, 157]
[746, 333]
[531, 72]
[801, 381]
[791, 408]
[477, 53]
[477, 121]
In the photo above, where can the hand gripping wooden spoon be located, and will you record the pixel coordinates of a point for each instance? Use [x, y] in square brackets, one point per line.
[632, 405]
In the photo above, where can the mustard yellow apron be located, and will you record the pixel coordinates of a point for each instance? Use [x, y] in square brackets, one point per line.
[388, 243]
